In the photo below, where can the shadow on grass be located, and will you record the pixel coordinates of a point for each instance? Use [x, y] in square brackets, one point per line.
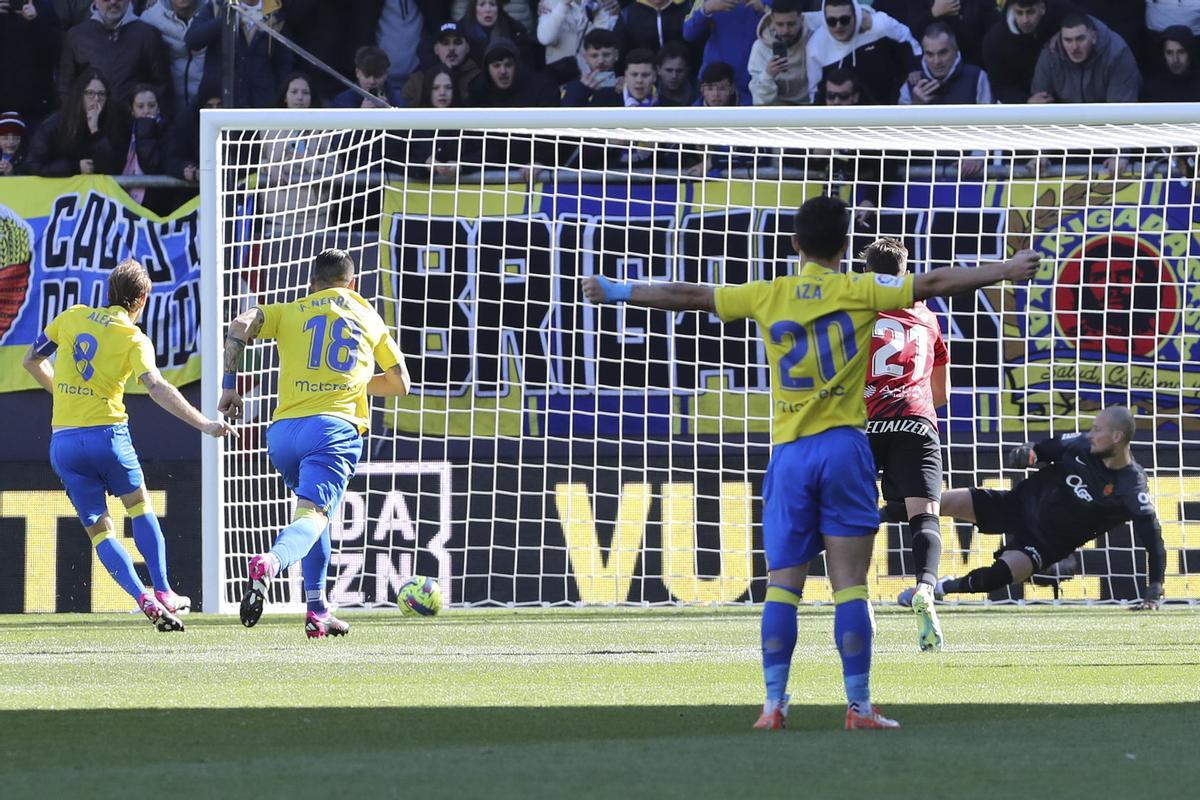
[982, 750]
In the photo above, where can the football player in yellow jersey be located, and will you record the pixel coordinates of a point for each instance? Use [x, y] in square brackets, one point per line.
[819, 490]
[330, 342]
[90, 449]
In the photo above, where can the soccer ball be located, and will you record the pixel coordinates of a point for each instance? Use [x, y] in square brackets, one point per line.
[420, 595]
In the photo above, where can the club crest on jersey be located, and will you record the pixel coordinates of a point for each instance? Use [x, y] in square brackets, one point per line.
[1108, 489]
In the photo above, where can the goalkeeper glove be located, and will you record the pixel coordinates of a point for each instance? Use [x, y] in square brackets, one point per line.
[1022, 457]
[1152, 599]
[614, 291]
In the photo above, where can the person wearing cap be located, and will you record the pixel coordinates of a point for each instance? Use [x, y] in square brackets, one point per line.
[12, 144]
[371, 72]
[1174, 79]
[453, 55]
[506, 82]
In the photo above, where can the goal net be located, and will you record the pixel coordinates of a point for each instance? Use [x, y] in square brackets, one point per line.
[552, 452]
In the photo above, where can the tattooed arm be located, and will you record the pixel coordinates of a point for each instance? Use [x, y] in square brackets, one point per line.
[244, 328]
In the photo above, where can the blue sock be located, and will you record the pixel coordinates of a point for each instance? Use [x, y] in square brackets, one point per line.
[853, 632]
[147, 535]
[116, 560]
[297, 539]
[315, 568]
[778, 638]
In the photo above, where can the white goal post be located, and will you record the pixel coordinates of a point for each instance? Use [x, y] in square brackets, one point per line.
[554, 453]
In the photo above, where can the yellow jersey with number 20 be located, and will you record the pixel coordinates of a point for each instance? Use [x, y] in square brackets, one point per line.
[329, 344]
[817, 330]
[98, 349]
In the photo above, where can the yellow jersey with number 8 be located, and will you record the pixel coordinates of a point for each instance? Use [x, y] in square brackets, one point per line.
[816, 327]
[98, 349]
[329, 345]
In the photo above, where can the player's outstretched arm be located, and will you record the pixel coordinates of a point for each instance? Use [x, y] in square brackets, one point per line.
[1148, 533]
[36, 365]
[170, 399]
[244, 327]
[665, 296]
[394, 382]
[948, 281]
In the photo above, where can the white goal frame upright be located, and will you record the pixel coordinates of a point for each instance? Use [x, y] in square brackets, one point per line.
[958, 128]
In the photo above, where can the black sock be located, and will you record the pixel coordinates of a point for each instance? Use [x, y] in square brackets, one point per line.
[927, 546]
[984, 579]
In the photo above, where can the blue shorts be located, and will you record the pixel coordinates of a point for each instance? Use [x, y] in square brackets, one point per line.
[316, 457]
[92, 461]
[822, 485]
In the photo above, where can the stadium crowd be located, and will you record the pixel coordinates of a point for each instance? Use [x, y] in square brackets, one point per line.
[116, 86]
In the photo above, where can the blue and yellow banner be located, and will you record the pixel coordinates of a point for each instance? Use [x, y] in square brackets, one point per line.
[59, 239]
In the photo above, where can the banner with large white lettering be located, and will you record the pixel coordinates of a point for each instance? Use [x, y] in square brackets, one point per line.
[59, 239]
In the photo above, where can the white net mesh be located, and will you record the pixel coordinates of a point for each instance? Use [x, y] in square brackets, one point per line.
[554, 452]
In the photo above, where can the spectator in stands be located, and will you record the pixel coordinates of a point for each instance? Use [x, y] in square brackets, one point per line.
[650, 24]
[172, 18]
[371, 71]
[968, 20]
[506, 82]
[296, 170]
[1085, 64]
[728, 29]
[521, 11]
[561, 28]
[259, 63]
[147, 147]
[332, 30]
[635, 89]
[1126, 18]
[29, 42]
[841, 87]
[398, 27]
[88, 136]
[1175, 79]
[601, 51]
[674, 76]
[183, 144]
[1163, 14]
[454, 55]
[946, 78]
[116, 42]
[72, 12]
[778, 65]
[439, 153]
[882, 56]
[1013, 45]
[485, 22]
[12, 144]
[717, 86]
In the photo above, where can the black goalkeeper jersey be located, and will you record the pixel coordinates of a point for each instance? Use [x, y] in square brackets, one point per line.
[1075, 498]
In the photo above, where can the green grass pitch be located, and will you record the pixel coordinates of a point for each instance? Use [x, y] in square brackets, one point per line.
[1047, 702]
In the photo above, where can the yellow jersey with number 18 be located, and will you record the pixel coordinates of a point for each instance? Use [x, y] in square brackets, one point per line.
[816, 327]
[98, 349]
[329, 344]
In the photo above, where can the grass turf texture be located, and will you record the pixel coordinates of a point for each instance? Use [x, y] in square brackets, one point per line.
[1058, 702]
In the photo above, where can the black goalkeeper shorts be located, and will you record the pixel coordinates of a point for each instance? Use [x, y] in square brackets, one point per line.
[909, 454]
[995, 512]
